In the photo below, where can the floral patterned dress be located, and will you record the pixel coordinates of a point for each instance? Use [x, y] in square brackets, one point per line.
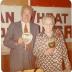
[51, 62]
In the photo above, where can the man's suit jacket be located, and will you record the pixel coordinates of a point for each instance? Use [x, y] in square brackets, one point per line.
[17, 52]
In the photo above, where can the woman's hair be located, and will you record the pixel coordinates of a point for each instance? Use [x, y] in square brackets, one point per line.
[48, 16]
[43, 21]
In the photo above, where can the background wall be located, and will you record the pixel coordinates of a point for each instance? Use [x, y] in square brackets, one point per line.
[15, 2]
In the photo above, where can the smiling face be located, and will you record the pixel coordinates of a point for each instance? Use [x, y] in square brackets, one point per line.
[26, 15]
[48, 23]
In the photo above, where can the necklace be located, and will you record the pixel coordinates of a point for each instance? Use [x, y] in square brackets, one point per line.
[51, 44]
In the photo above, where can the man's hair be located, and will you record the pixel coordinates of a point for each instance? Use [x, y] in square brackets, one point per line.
[26, 7]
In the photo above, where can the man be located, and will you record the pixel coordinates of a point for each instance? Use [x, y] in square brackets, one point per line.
[20, 58]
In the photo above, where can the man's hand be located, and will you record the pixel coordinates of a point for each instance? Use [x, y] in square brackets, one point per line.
[20, 41]
[18, 71]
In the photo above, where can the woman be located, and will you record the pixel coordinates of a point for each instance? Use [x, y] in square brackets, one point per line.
[50, 49]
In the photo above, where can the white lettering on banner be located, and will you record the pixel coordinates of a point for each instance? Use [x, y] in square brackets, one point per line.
[8, 14]
[8, 17]
[62, 18]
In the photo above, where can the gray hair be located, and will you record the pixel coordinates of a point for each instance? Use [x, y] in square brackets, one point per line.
[26, 7]
[48, 16]
[43, 21]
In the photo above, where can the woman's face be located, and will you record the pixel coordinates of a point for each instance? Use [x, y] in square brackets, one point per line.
[48, 24]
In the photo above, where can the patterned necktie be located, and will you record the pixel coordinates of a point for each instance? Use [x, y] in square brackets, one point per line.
[25, 29]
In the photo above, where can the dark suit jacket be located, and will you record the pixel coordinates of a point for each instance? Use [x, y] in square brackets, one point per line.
[17, 52]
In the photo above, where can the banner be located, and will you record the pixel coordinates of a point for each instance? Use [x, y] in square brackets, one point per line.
[62, 18]
[12, 14]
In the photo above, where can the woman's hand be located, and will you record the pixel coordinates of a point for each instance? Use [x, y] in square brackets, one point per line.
[66, 70]
[67, 67]
[49, 51]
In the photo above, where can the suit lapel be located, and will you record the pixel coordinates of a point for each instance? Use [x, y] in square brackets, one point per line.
[20, 28]
[31, 28]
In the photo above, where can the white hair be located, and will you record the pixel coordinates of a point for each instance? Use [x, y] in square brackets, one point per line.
[49, 16]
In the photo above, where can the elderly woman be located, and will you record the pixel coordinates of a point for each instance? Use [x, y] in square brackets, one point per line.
[50, 49]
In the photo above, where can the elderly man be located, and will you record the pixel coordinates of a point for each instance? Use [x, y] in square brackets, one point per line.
[20, 58]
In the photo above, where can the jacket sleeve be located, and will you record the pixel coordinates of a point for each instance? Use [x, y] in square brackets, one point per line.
[8, 40]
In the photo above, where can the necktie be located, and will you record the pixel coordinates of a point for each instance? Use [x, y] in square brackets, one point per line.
[25, 29]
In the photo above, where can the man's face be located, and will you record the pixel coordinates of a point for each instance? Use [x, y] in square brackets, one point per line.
[26, 15]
